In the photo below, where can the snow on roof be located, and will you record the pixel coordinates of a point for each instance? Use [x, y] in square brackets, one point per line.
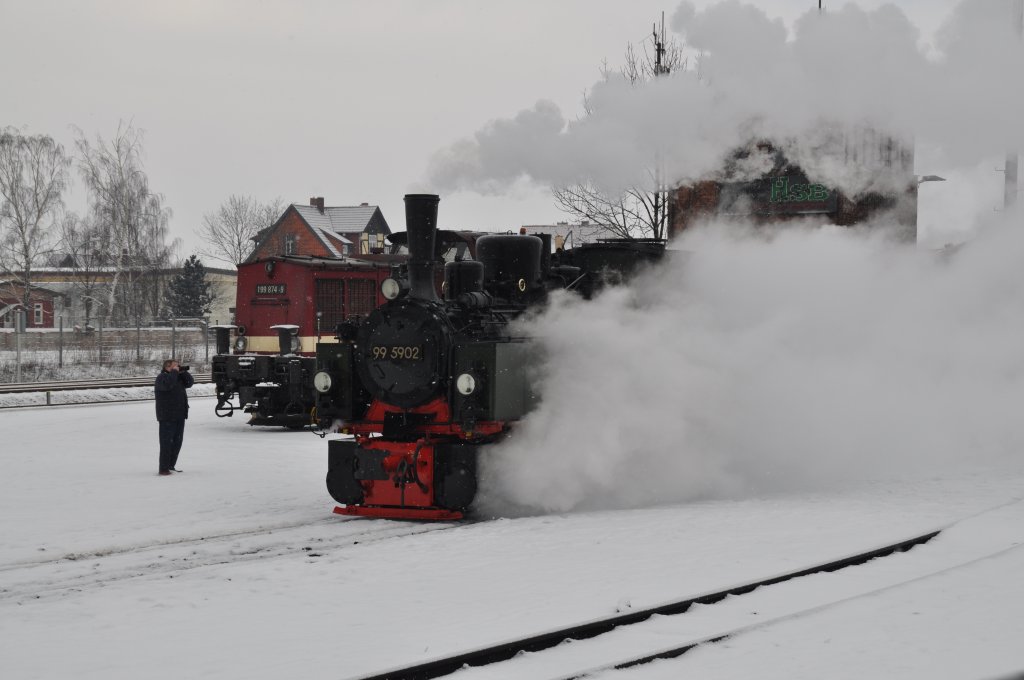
[48, 288]
[329, 224]
[339, 219]
[575, 234]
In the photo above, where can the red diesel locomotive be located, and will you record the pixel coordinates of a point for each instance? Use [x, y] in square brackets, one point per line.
[284, 306]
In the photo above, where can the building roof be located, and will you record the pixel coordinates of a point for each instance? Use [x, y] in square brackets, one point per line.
[574, 234]
[333, 227]
[339, 219]
[329, 224]
[10, 283]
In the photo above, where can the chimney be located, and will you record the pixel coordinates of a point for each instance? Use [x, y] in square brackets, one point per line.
[318, 203]
[421, 233]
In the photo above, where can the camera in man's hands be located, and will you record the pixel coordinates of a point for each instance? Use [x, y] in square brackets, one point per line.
[182, 368]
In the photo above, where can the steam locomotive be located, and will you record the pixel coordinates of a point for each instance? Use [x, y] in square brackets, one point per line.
[423, 383]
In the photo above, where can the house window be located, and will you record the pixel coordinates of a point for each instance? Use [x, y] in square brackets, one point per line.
[364, 243]
[38, 314]
[289, 244]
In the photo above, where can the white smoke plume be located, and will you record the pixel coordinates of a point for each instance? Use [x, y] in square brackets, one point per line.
[842, 69]
[770, 362]
[785, 358]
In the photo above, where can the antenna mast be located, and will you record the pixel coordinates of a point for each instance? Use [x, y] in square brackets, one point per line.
[660, 198]
[659, 47]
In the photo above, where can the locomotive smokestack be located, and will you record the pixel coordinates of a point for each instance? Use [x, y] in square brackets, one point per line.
[421, 229]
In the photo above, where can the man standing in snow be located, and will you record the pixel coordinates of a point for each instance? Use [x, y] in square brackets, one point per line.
[172, 411]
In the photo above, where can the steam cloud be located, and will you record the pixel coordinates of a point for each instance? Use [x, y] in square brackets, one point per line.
[849, 67]
[808, 359]
[767, 361]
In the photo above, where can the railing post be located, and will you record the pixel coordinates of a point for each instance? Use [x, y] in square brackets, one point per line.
[206, 339]
[19, 329]
[60, 344]
[99, 340]
[174, 337]
[138, 340]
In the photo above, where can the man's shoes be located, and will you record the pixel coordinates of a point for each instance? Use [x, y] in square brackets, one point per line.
[175, 470]
[164, 473]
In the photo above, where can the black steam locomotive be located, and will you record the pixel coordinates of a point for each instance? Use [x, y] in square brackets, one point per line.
[422, 383]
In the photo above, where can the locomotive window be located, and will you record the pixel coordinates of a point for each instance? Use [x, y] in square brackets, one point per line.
[456, 252]
[330, 296]
[362, 297]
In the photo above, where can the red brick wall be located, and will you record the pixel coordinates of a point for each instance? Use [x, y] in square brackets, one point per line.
[306, 242]
[690, 204]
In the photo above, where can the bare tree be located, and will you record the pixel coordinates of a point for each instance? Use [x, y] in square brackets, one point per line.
[641, 211]
[83, 251]
[638, 212]
[130, 219]
[33, 176]
[231, 230]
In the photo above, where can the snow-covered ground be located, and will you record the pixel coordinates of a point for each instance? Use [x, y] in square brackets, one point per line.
[237, 568]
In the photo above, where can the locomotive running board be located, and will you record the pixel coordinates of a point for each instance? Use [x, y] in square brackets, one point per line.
[398, 513]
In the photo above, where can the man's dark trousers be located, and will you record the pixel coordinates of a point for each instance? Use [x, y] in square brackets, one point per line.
[171, 434]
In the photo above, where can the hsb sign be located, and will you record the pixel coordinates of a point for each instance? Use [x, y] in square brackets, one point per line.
[784, 192]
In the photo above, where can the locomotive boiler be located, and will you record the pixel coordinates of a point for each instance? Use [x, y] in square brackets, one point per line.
[422, 382]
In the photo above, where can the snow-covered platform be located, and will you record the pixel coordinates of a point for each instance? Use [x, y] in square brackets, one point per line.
[241, 565]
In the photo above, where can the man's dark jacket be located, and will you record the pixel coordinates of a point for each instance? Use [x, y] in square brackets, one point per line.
[171, 399]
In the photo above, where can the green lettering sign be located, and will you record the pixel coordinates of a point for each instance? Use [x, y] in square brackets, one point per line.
[784, 192]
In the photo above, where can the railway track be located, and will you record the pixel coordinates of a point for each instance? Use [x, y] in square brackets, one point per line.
[482, 662]
[74, 572]
[98, 384]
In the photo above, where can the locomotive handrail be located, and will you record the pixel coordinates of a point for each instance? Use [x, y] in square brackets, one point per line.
[96, 384]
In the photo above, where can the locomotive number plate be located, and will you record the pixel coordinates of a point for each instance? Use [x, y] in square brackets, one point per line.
[396, 352]
[270, 288]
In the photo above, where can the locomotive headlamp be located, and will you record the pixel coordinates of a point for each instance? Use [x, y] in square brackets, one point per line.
[465, 384]
[390, 288]
[296, 343]
[322, 382]
[522, 285]
[241, 342]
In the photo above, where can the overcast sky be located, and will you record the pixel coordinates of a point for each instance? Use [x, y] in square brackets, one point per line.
[342, 99]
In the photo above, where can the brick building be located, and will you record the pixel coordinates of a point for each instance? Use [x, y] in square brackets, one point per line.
[761, 185]
[43, 305]
[319, 231]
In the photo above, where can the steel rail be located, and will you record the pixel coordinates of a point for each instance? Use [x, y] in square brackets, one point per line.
[94, 384]
[507, 650]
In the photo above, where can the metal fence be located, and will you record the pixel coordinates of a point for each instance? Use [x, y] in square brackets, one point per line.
[61, 353]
